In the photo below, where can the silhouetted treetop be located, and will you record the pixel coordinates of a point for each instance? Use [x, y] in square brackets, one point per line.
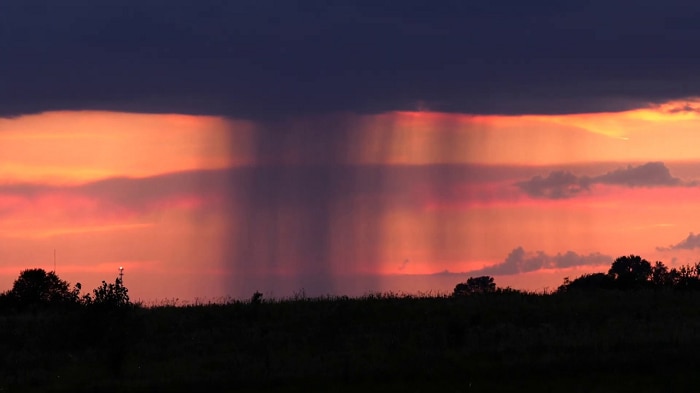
[630, 271]
[38, 287]
[475, 285]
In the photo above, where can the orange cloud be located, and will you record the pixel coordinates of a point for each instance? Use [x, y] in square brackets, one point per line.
[662, 133]
[76, 147]
[624, 125]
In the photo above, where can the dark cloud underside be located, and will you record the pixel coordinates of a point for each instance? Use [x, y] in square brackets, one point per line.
[264, 58]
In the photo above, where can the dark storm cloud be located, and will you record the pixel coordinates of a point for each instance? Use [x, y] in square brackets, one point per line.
[689, 243]
[265, 58]
[519, 261]
[564, 184]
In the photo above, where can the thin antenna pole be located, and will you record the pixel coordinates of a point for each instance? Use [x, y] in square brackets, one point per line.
[54, 260]
[121, 274]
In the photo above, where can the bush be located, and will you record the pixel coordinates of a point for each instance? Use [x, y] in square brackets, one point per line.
[114, 295]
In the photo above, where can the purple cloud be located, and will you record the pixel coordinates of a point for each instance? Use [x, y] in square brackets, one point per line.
[651, 174]
[520, 261]
[565, 184]
[689, 243]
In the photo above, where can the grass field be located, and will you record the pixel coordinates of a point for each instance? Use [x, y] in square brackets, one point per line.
[508, 341]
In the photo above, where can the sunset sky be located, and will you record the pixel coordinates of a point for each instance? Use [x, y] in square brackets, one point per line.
[223, 148]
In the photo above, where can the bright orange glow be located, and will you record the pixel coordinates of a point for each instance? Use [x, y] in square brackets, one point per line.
[427, 138]
[76, 147]
[401, 197]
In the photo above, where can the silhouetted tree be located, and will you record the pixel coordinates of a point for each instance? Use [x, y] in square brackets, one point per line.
[475, 285]
[630, 272]
[686, 277]
[37, 287]
[660, 275]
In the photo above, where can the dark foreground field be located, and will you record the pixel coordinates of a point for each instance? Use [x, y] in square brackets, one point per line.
[576, 342]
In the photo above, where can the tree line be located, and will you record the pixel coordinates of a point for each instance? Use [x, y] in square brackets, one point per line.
[626, 273]
[37, 288]
[634, 272]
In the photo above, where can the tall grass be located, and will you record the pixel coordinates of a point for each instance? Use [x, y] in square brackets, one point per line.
[496, 342]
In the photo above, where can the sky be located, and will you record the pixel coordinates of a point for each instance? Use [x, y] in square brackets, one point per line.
[214, 149]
